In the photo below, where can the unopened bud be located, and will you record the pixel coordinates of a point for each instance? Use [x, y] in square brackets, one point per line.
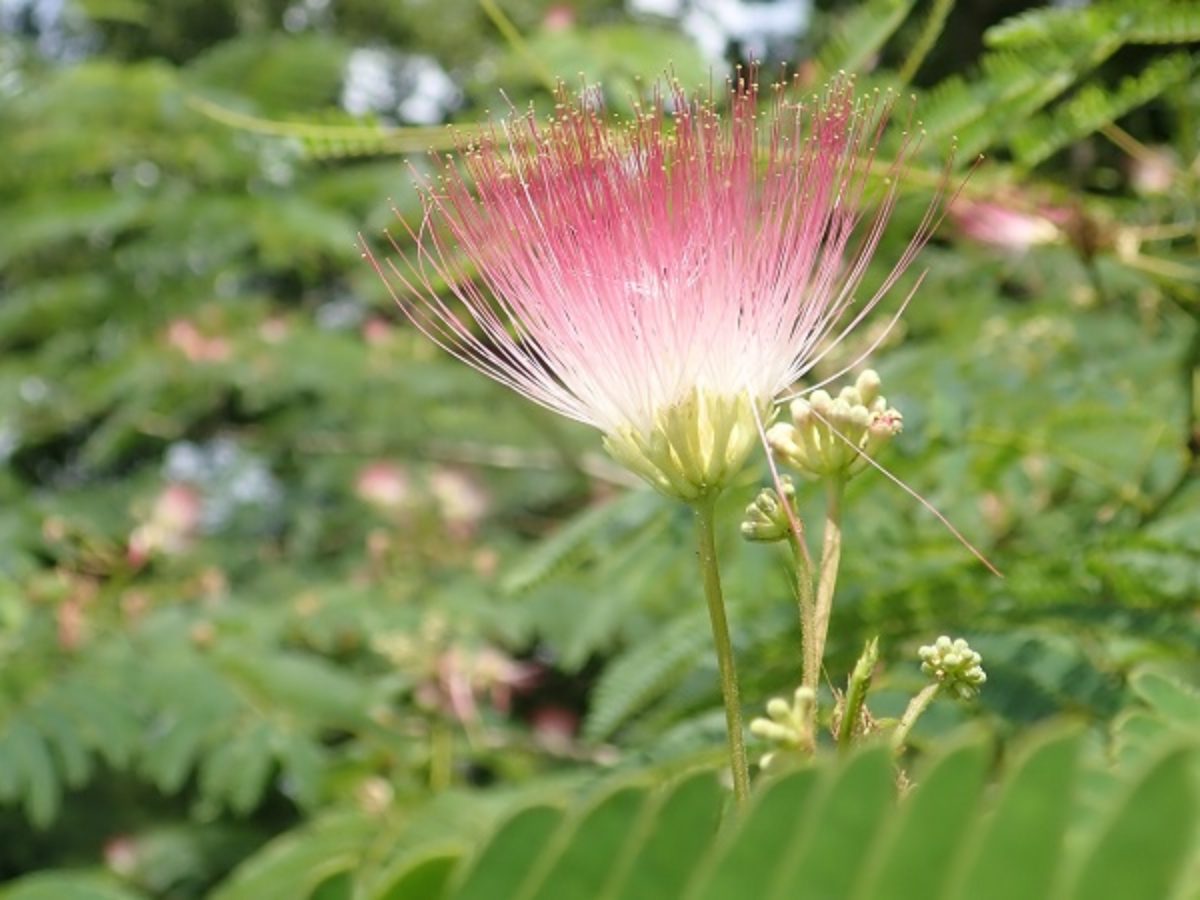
[767, 517]
[954, 665]
[772, 731]
[868, 385]
[777, 708]
[788, 725]
[850, 395]
[866, 663]
[833, 438]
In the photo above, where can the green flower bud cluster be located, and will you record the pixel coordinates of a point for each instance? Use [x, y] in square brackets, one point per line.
[831, 437]
[954, 665]
[788, 725]
[766, 518]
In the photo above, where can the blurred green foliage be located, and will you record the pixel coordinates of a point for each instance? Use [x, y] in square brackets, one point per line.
[274, 571]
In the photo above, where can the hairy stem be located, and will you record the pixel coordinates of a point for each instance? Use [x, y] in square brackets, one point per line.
[856, 693]
[711, 576]
[831, 557]
[916, 707]
[810, 665]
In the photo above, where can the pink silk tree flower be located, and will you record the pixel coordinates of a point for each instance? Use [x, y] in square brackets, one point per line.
[1013, 226]
[664, 279]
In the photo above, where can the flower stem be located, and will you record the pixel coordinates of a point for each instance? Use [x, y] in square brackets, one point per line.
[711, 576]
[810, 665]
[930, 30]
[831, 556]
[916, 706]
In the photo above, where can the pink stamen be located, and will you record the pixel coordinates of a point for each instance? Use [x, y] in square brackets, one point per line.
[616, 270]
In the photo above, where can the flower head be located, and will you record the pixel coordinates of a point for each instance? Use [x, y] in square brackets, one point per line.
[1013, 224]
[954, 665]
[833, 437]
[663, 278]
[173, 523]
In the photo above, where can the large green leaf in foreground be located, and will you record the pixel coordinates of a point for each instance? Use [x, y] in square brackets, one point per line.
[1056, 821]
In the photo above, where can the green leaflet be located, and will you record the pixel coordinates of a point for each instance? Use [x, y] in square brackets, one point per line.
[839, 830]
[1028, 823]
[55, 886]
[1150, 837]
[928, 827]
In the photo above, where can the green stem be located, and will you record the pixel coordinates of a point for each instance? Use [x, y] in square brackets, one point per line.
[711, 576]
[831, 557]
[810, 666]
[518, 43]
[935, 21]
[916, 707]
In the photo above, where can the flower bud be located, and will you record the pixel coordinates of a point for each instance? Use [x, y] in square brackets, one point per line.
[832, 438]
[954, 665]
[777, 708]
[850, 395]
[788, 725]
[868, 385]
[767, 517]
[801, 411]
[772, 731]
